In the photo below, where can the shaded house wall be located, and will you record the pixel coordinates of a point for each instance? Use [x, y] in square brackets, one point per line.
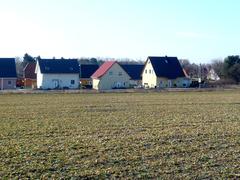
[114, 77]
[134, 71]
[8, 74]
[8, 83]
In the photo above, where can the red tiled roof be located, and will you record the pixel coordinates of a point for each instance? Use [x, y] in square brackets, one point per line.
[29, 71]
[103, 69]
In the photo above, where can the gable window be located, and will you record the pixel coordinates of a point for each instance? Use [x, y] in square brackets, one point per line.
[72, 82]
[110, 73]
[120, 73]
[150, 71]
[145, 71]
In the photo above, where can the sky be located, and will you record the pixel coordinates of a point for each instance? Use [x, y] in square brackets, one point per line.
[198, 30]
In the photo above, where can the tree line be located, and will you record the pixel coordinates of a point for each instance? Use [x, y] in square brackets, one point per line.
[226, 69]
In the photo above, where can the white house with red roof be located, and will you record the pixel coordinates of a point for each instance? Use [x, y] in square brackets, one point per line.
[110, 76]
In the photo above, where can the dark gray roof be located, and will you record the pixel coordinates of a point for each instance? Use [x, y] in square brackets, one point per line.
[87, 70]
[57, 66]
[8, 68]
[133, 70]
[168, 67]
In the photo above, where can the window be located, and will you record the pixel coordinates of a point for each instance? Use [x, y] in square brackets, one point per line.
[149, 71]
[9, 83]
[120, 73]
[110, 73]
[72, 81]
[145, 71]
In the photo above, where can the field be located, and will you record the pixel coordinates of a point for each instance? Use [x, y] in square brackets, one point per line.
[192, 135]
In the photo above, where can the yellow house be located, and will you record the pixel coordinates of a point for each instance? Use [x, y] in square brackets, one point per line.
[110, 76]
[164, 72]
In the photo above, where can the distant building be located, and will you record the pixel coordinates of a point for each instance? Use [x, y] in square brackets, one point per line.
[164, 72]
[110, 76]
[134, 71]
[57, 74]
[8, 74]
[212, 75]
[86, 71]
[29, 76]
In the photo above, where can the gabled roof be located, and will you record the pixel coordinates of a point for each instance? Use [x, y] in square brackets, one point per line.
[103, 69]
[29, 71]
[168, 67]
[133, 70]
[59, 66]
[87, 70]
[8, 68]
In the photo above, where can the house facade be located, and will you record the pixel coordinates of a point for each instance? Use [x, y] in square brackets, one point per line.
[110, 76]
[8, 74]
[57, 74]
[86, 71]
[134, 71]
[164, 72]
[29, 76]
[212, 75]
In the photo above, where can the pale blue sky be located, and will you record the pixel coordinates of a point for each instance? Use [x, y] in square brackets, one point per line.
[199, 30]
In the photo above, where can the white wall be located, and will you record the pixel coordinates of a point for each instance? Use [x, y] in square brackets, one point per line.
[52, 81]
[96, 83]
[149, 78]
[39, 79]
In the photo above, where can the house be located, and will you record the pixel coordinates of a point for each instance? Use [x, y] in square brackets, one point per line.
[212, 75]
[110, 75]
[57, 74]
[86, 71]
[29, 76]
[164, 72]
[134, 71]
[8, 74]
